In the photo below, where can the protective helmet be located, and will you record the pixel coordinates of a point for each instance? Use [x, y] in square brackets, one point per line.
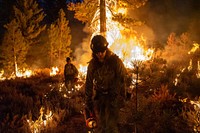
[68, 59]
[98, 44]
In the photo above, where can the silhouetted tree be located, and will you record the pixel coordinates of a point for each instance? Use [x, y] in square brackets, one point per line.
[30, 17]
[176, 50]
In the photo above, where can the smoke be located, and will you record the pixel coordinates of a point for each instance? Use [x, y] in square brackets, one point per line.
[166, 16]
[146, 32]
[176, 55]
[83, 53]
[194, 30]
[161, 18]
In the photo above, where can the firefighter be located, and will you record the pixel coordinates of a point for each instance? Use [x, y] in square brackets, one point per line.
[70, 73]
[105, 86]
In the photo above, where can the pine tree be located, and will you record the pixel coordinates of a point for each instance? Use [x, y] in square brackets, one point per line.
[29, 16]
[14, 48]
[59, 39]
[177, 49]
[86, 10]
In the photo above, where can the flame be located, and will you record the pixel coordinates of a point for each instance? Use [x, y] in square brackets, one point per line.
[113, 27]
[24, 73]
[198, 69]
[131, 50]
[82, 72]
[54, 71]
[121, 10]
[122, 41]
[1, 75]
[194, 48]
[40, 123]
[190, 66]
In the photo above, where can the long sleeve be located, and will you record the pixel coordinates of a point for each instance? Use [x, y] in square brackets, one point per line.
[75, 71]
[121, 74]
[89, 88]
[65, 71]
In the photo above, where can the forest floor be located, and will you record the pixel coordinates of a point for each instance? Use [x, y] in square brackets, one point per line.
[23, 99]
[75, 124]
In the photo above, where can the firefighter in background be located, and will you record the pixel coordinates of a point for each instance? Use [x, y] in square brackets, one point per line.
[70, 73]
[105, 86]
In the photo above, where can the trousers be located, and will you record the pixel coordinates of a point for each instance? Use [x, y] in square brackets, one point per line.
[107, 113]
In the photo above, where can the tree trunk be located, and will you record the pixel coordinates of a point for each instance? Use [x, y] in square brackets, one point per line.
[15, 64]
[103, 17]
[51, 57]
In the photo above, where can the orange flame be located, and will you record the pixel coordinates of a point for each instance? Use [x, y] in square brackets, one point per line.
[54, 71]
[24, 73]
[127, 48]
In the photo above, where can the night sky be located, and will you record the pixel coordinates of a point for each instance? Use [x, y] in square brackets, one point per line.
[161, 17]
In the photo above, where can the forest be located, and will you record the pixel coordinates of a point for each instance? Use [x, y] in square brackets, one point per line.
[163, 77]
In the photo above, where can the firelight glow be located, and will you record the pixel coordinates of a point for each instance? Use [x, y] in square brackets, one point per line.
[54, 71]
[122, 42]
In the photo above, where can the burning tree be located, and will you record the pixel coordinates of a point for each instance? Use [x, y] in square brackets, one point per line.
[182, 56]
[111, 19]
[98, 13]
[156, 103]
[14, 48]
[177, 48]
[59, 39]
[22, 32]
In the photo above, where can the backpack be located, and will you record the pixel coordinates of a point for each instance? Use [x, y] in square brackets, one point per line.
[70, 69]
